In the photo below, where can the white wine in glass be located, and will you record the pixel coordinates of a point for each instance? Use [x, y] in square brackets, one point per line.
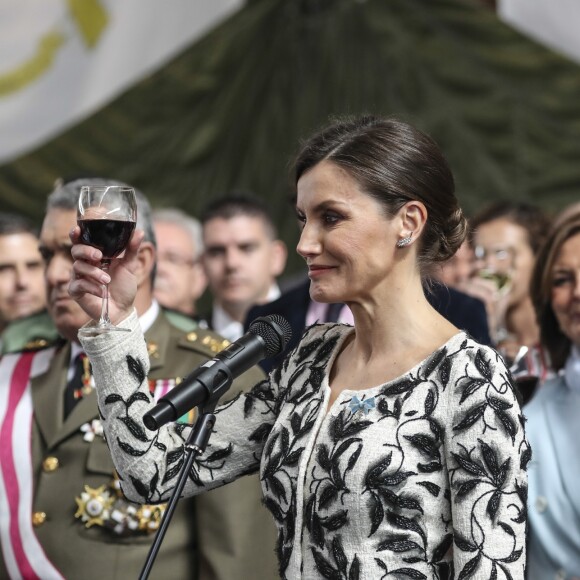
[502, 280]
[106, 215]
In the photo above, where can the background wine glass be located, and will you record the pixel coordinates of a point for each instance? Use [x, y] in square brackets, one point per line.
[497, 265]
[106, 215]
[501, 280]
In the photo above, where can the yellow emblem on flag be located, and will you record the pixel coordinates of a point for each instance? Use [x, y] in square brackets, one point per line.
[91, 19]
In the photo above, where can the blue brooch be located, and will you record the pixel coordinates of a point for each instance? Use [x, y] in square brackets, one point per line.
[365, 405]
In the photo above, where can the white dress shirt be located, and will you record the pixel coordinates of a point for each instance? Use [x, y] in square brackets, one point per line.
[229, 328]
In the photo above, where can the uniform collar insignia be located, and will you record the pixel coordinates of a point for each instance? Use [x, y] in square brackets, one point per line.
[153, 349]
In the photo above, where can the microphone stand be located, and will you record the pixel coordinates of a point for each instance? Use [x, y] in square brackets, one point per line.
[193, 447]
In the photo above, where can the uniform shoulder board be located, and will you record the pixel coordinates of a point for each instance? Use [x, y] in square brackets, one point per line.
[31, 333]
[180, 321]
[38, 344]
[205, 341]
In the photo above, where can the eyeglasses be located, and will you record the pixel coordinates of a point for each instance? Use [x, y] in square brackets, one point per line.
[497, 254]
[176, 260]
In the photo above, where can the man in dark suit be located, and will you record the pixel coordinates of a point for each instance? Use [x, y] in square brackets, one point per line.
[63, 514]
[462, 310]
[465, 312]
[242, 257]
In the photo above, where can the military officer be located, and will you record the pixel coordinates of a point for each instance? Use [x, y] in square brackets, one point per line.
[61, 510]
[22, 293]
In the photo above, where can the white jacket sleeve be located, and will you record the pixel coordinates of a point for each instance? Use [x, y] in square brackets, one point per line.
[149, 461]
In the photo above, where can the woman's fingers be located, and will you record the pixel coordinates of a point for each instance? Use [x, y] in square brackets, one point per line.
[86, 253]
[88, 278]
[89, 271]
[79, 287]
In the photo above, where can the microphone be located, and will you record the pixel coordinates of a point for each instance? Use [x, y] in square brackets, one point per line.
[267, 336]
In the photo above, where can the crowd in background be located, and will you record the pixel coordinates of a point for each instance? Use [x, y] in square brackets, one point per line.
[514, 284]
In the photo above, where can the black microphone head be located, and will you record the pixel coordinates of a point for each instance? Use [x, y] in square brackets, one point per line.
[274, 330]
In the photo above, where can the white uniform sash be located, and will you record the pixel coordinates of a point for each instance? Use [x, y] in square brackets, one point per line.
[24, 557]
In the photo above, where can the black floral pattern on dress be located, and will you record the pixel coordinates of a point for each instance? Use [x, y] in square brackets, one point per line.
[428, 483]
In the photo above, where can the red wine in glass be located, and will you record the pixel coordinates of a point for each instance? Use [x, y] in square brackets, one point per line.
[109, 236]
[106, 216]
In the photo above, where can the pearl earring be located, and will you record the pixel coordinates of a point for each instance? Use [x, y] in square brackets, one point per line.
[404, 241]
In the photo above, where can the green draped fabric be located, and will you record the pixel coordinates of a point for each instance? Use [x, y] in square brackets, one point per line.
[228, 113]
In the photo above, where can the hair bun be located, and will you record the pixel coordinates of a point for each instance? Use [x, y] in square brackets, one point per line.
[451, 234]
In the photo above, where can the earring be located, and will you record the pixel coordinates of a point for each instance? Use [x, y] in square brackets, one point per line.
[404, 241]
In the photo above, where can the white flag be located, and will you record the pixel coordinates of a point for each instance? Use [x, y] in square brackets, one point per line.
[61, 60]
[553, 23]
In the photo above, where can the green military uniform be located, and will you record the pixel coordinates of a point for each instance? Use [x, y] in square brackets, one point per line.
[225, 534]
[31, 332]
[184, 322]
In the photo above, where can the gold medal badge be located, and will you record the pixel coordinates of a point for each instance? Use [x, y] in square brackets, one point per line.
[94, 506]
[107, 507]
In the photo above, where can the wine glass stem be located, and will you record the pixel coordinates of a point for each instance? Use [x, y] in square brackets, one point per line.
[104, 320]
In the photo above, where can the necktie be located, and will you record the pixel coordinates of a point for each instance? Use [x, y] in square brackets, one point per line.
[79, 385]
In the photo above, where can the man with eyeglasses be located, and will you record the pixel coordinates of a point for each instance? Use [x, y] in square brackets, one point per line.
[180, 279]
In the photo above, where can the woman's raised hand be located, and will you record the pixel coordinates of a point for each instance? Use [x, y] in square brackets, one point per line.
[86, 285]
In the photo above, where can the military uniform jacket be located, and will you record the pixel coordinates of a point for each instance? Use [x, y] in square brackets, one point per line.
[225, 534]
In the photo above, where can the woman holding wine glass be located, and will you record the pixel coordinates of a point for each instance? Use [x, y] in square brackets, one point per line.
[394, 448]
[506, 237]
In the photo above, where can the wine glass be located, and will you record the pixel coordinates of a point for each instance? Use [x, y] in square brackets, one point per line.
[497, 265]
[106, 215]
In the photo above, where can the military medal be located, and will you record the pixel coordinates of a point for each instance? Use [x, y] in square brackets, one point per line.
[94, 506]
[86, 379]
[107, 507]
[92, 430]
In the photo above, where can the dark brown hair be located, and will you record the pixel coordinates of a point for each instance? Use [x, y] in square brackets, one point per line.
[551, 336]
[11, 223]
[394, 163]
[239, 204]
[529, 217]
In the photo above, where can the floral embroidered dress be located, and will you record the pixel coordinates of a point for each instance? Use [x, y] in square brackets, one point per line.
[421, 477]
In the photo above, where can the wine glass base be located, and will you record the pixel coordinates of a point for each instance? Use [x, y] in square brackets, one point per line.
[90, 331]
